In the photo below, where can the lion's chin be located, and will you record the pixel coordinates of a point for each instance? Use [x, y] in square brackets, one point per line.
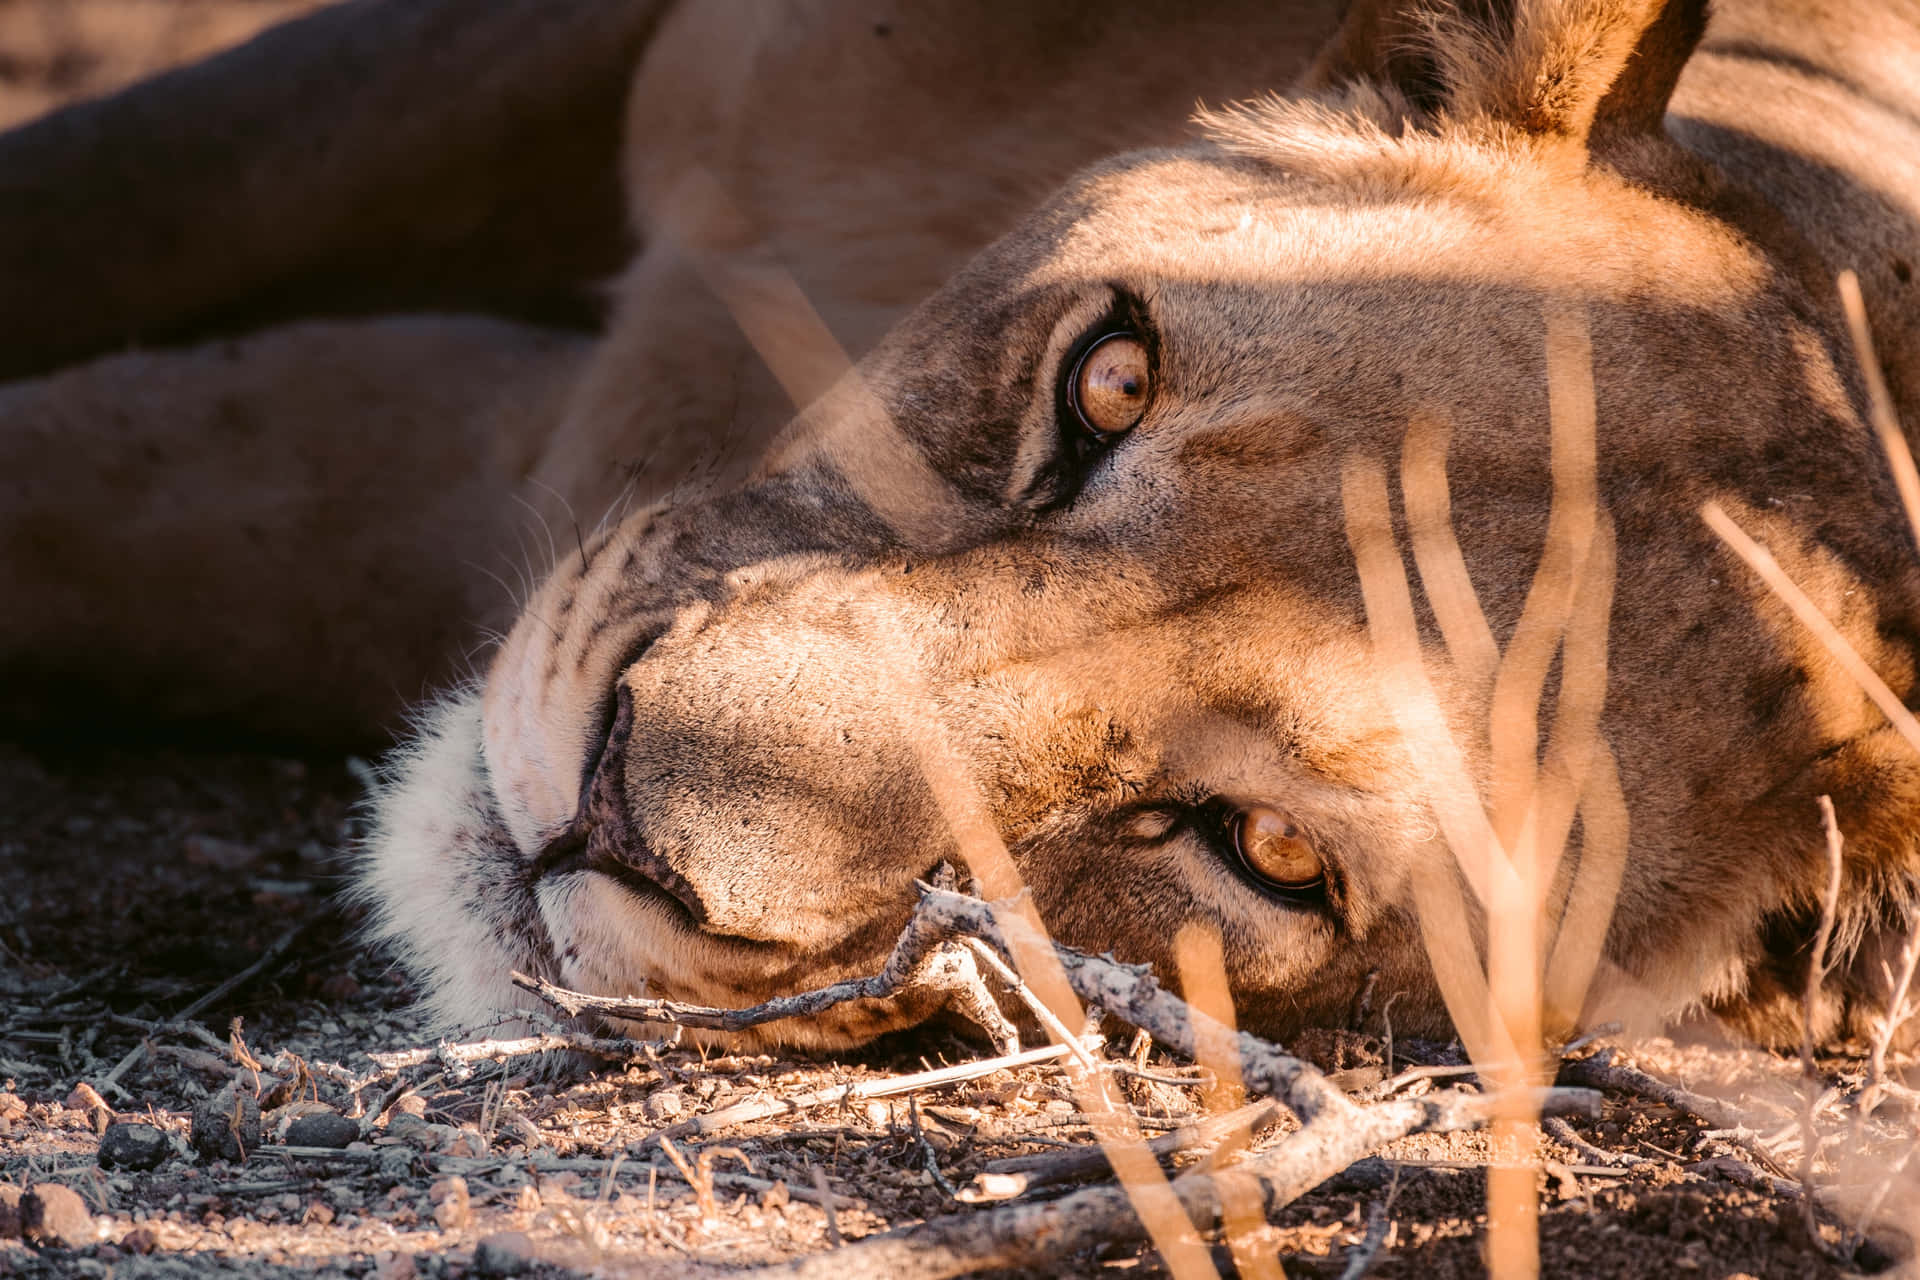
[448, 890]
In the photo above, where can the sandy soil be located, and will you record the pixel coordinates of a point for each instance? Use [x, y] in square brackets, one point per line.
[137, 882]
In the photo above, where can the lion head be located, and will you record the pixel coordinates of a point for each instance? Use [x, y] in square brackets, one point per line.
[1070, 566]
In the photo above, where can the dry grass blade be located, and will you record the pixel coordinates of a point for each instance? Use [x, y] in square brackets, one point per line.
[1508, 850]
[1762, 563]
[1203, 981]
[1032, 952]
[1818, 966]
[1886, 423]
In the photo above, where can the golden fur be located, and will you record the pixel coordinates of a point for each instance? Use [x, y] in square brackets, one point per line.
[728, 731]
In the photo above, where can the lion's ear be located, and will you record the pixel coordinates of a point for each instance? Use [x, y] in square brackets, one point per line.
[1592, 71]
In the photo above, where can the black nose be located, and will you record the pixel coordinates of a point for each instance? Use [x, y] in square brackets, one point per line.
[603, 836]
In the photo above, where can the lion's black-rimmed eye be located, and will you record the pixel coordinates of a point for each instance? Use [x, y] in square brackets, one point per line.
[1273, 851]
[1109, 386]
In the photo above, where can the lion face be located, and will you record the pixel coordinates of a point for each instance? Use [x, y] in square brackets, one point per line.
[1067, 557]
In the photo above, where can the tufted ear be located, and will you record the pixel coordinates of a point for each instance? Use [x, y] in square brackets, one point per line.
[1590, 71]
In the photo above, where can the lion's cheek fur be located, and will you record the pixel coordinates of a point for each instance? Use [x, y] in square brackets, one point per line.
[448, 890]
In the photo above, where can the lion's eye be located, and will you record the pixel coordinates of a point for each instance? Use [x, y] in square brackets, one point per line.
[1110, 385]
[1274, 851]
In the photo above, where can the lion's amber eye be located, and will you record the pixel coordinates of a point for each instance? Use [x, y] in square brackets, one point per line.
[1275, 850]
[1111, 384]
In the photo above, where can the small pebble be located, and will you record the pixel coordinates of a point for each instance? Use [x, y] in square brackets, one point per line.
[54, 1214]
[323, 1129]
[133, 1146]
[452, 1207]
[140, 1240]
[226, 1125]
[504, 1253]
[664, 1106]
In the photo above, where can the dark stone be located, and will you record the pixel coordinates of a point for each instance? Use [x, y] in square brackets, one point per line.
[133, 1146]
[322, 1129]
[226, 1126]
[504, 1253]
[55, 1215]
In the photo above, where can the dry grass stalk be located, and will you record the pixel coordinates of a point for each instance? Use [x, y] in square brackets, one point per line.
[1900, 1009]
[1886, 423]
[1508, 848]
[1808, 613]
[1034, 956]
[1819, 964]
[1203, 982]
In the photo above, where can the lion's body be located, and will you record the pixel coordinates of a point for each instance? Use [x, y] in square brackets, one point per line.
[302, 529]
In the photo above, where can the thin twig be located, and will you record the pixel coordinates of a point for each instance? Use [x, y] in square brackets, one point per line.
[1600, 1072]
[1565, 1134]
[1040, 1236]
[1379, 1222]
[1761, 561]
[1080, 1164]
[448, 1053]
[1038, 1007]
[275, 949]
[857, 1091]
[918, 941]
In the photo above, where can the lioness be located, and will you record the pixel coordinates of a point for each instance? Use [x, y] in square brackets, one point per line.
[1070, 559]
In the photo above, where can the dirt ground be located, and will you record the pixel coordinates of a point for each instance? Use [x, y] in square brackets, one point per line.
[139, 881]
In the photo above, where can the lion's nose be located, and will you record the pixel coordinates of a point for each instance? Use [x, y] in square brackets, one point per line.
[603, 837]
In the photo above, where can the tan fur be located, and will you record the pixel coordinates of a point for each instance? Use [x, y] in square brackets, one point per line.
[768, 697]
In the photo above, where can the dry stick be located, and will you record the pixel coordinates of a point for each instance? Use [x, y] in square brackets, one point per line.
[985, 955]
[451, 1054]
[1565, 1134]
[917, 943]
[1041, 1236]
[858, 1091]
[1132, 994]
[1379, 1223]
[277, 948]
[1600, 1072]
[1081, 1164]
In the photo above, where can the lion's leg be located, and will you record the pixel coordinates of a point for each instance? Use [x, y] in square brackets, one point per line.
[301, 531]
[373, 157]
